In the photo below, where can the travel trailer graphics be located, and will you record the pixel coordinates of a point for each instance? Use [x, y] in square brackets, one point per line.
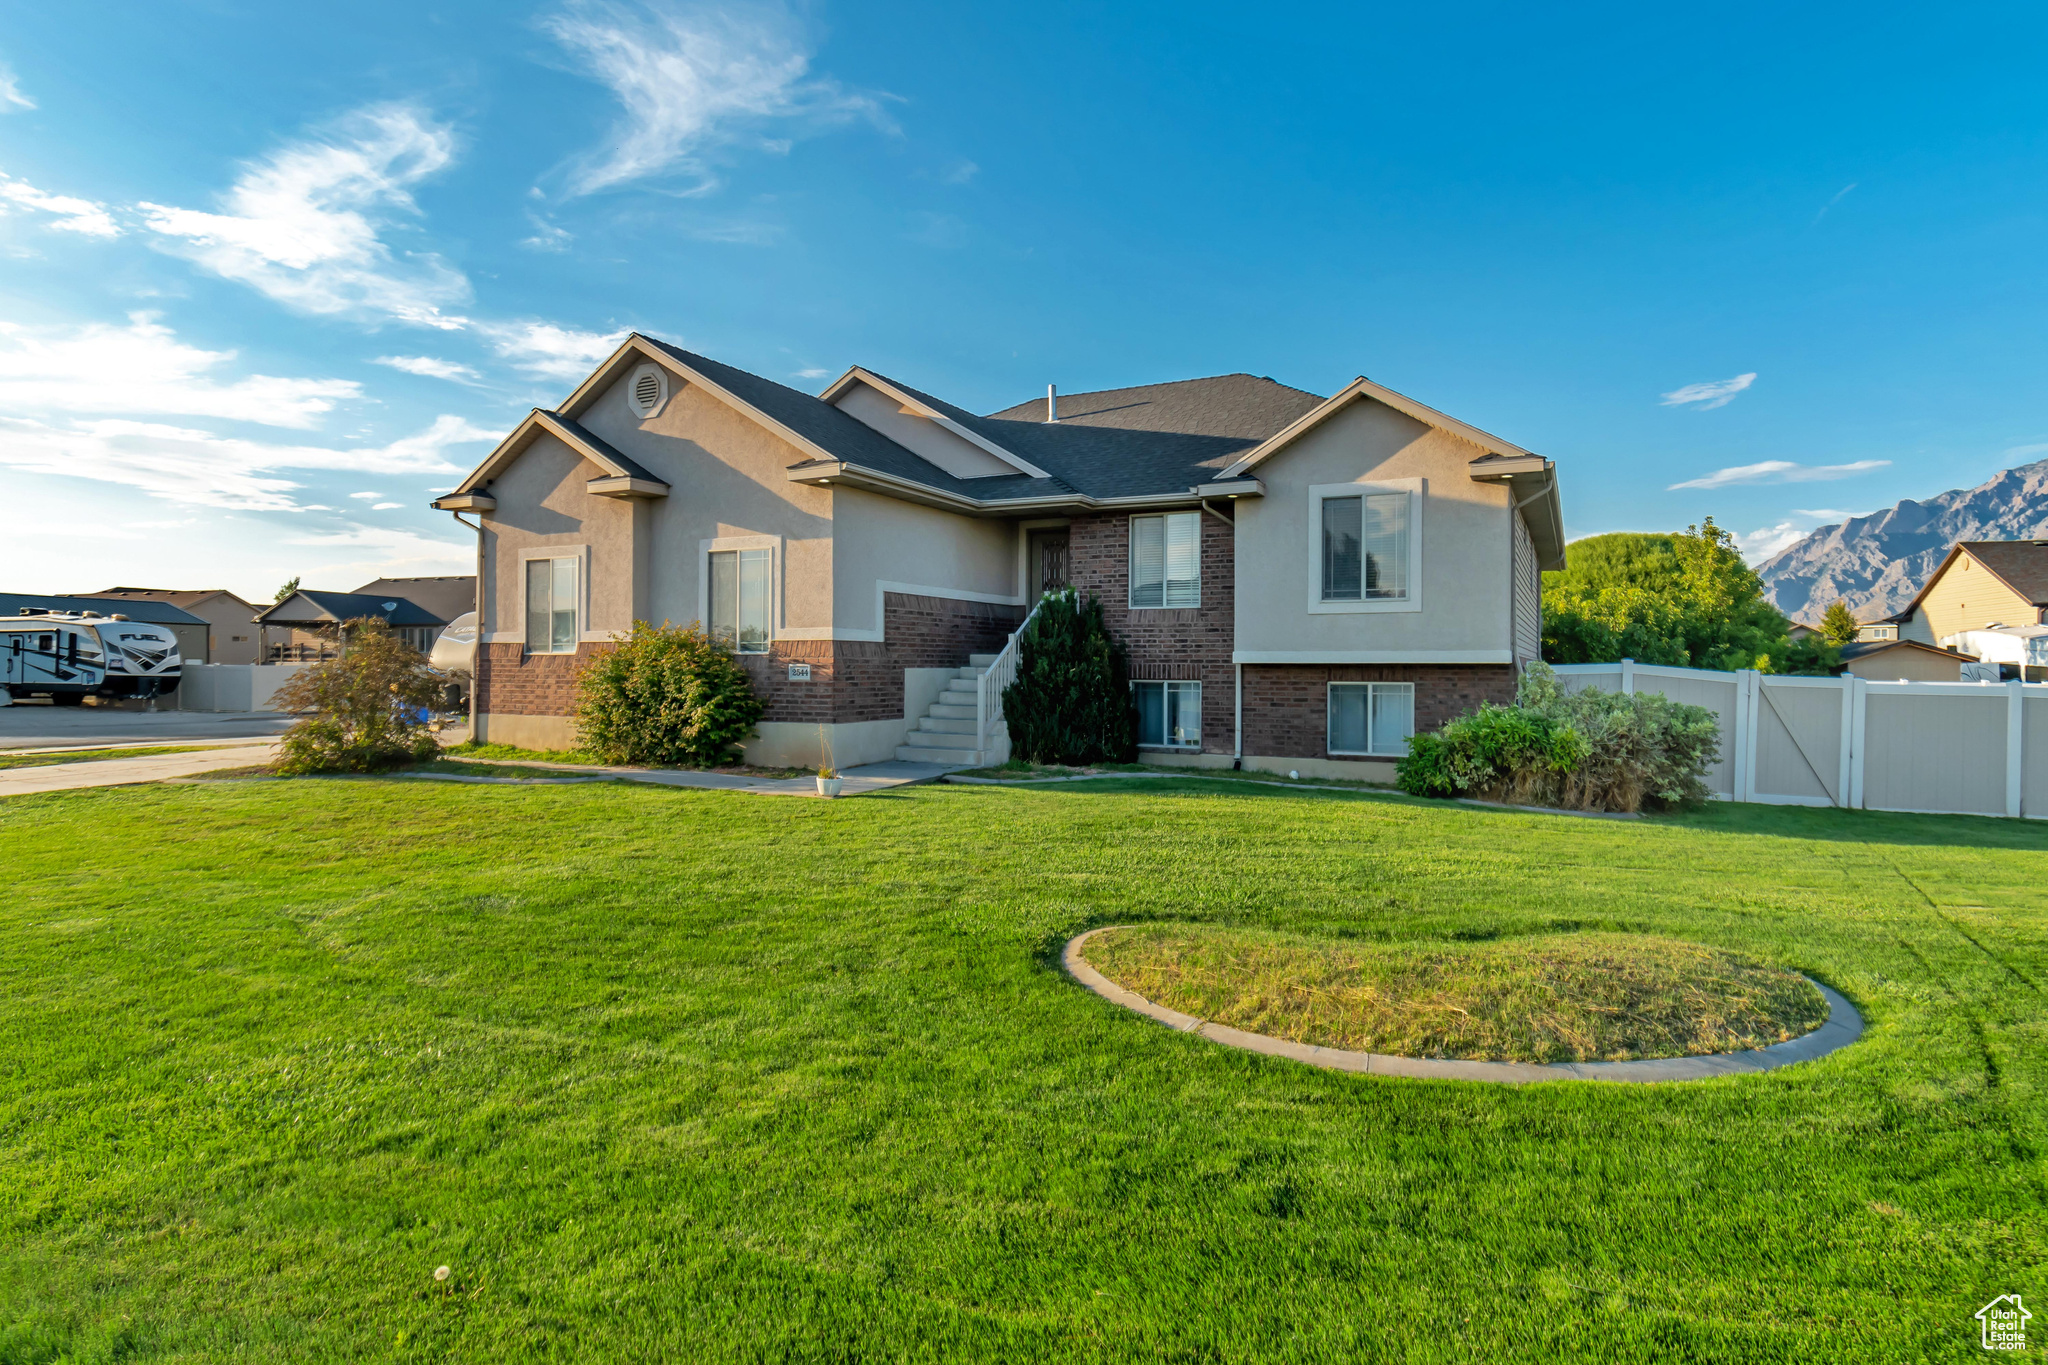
[68, 658]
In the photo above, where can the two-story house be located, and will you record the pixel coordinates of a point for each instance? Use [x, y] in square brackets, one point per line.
[1302, 581]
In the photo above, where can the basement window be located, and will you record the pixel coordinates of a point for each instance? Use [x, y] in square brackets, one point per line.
[1371, 718]
[1169, 714]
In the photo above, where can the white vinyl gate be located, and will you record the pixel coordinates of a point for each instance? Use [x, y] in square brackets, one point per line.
[1932, 748]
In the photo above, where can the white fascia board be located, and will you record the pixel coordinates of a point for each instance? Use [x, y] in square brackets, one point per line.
[1373, 656]
[857, 375]
[1362, 387]
[827, 472]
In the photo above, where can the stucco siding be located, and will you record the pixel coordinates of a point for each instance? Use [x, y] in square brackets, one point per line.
[1466, 546]
[886, 540]
[542, 504]
[920, 435]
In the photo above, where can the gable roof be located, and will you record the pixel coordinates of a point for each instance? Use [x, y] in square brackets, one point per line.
[180, 597]
[314, 607]
[1863, 649]
[155, 612]
[2021, 565]
[615, 463]
[447, 596]
[956, 420]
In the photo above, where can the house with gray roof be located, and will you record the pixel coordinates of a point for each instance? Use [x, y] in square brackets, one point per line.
[306, 626]
[1302, 581]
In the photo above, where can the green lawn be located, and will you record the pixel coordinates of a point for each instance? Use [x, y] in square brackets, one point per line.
[689, 1076]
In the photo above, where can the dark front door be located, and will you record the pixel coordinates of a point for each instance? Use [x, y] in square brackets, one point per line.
[1046, 561]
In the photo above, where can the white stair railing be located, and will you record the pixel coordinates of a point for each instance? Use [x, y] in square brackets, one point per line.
[989, 688]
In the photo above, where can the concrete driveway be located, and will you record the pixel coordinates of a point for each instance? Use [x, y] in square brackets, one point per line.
[36, 725]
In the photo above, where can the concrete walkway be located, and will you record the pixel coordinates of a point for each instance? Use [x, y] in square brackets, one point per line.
[1843, 1027]
[120, 772]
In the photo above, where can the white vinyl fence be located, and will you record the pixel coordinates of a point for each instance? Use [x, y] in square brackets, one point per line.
[232, 687]
[1924, 747]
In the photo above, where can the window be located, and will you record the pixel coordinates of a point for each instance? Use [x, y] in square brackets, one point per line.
[739, 599]
[1169, 714]
[1371, 718]
[1166, 560]
[550, 606]
[1365, 548]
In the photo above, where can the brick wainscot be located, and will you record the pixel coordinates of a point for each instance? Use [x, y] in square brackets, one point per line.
[1286, 710]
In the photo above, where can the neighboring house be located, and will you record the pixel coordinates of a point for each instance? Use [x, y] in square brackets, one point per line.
[231, 622]
[1868, 631]
[1902, 661]
[1981, 583]
[446, 597]
[1301, 581]
[302, 627]
[1800, 632]
[190, 630]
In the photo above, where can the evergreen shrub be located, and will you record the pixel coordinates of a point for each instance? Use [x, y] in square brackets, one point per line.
[1071, 701]
[666, 696]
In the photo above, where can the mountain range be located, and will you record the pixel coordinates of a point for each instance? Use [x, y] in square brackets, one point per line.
[1877, 563]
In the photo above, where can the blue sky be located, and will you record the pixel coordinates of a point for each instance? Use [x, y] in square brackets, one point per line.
[268, 283]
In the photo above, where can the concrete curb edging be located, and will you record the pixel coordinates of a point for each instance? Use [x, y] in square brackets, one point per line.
[1844, 1026]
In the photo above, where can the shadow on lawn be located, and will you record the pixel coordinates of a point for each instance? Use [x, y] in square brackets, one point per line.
[1779, 822]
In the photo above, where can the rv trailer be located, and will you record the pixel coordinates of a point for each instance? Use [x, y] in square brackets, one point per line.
[69, 656]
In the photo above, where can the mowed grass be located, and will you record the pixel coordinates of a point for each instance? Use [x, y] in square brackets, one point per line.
[1580, 997]
[681, 1075]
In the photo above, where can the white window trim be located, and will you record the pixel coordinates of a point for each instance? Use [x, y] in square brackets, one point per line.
[772, 544]
[1195, 683]
[1130, 561]
[1415, 489]
[579, 553]
[1328, 706]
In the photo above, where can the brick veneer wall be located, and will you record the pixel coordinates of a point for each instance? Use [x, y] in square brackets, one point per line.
[1286, 706]
[1178, 643]
[851, 680]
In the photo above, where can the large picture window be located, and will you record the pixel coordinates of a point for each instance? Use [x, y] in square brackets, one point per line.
[1166, 560]
[1169, 714]
[740, 596]
[1365, 548]
[1371, 718]
[551, 606]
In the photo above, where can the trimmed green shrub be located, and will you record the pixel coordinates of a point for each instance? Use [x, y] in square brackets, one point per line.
[1584, 750]
[1071, 701]
[666, 696]
[368, 708]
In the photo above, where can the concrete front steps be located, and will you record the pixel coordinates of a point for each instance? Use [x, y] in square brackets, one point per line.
[945, 733]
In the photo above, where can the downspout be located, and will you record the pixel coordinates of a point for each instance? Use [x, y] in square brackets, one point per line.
[477, 657]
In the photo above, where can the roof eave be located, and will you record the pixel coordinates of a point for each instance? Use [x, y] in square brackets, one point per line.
[1362, 387]
[842, 473]
[859, 375]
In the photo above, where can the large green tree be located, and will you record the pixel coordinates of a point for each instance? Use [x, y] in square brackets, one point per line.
[1687, 600]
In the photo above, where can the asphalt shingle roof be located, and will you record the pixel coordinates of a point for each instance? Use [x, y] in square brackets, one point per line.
[2023, 564]
[347, 606]
[135, 609]
[1158, 439]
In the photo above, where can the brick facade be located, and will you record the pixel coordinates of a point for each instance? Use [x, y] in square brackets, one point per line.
[1175, 643]
[1286, 706]
[851, 680]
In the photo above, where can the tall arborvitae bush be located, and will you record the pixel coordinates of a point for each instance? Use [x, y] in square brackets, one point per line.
[1071, 702]
[666, 696]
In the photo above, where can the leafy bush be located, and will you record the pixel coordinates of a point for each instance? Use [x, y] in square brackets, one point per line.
[1071, 701]
[1584, 750]
[666, 695]
[368, 707]
[1687, 600]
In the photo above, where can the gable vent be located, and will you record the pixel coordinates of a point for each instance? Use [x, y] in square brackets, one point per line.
[647, 390]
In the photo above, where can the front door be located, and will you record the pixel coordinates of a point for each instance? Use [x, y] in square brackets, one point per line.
[1046, 561]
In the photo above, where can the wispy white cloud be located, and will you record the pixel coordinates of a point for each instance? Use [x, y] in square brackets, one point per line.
[1717, 394]
[390, 552]
[366, 497]
[200, 468]
[386, 506]
[429, 367]
[813, 373]
[543, 350]
[1761, 545]
[546, 236]
[305, 225]
[1781, 471]
[959, 173]
[1840, 195]
[144, 368]
[694, 77]
[82, 216]
[1824, 513]
[11, 97]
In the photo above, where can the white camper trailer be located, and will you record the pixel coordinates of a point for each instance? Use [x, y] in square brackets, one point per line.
[69, 656]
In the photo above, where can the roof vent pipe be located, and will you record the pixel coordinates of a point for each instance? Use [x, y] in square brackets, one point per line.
[1052, 402]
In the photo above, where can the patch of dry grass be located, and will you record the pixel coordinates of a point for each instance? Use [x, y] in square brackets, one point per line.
[1554, 998]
